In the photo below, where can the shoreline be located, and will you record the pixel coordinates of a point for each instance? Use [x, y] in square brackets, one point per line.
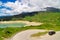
[25, 22]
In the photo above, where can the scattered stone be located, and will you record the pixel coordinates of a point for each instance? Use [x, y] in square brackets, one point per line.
[51, 32]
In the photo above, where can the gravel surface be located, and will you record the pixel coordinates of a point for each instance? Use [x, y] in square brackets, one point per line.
[26, 35]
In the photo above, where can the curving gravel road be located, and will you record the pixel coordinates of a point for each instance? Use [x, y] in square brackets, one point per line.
[25, 35]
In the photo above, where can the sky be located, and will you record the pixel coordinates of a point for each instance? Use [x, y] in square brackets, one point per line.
[14, 7]
[4, 1]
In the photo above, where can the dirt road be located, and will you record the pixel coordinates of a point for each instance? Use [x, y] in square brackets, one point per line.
[26, 35]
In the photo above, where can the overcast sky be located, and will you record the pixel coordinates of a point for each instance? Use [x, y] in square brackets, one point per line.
[13, 7]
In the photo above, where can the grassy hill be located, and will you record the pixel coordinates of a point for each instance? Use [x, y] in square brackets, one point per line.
[50, 17]
[51, 20]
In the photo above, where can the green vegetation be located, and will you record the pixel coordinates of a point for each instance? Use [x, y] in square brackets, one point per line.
[50, 17]
[50, 20]
[38, 34]
[1, 38]
[7, 32]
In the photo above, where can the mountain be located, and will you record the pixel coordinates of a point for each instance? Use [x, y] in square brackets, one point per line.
[22, 15]
[52, 9]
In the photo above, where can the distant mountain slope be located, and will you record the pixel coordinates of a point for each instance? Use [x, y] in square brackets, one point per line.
[22, 15]
[52, 9]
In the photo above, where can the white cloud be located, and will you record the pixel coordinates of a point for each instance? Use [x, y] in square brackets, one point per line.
[45, 3]
[19, 8]
[29, 5]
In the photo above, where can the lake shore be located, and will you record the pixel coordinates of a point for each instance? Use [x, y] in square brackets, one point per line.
[25, 22]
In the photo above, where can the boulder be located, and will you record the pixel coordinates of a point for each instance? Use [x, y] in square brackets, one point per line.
[51, 32]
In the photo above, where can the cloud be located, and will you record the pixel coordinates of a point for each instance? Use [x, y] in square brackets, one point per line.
[20, 6]
[45, 3]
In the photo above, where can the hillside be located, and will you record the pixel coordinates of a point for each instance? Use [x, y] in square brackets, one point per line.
[51, 20]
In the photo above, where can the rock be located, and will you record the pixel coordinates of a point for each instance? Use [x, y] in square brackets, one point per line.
[51, 32]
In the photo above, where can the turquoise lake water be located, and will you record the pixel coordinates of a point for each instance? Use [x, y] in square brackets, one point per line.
[12, 25]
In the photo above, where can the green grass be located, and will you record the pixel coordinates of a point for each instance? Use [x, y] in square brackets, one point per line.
[51, 20]
[38, 34]
[7, 32]
[50, 17]
[1, 38]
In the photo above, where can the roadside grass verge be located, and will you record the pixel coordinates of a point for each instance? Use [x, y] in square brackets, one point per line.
[39, 34]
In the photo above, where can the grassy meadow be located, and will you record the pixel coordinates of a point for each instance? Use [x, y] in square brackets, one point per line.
[50, 20]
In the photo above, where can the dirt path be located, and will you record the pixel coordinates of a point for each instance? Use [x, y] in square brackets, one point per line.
[25, 35]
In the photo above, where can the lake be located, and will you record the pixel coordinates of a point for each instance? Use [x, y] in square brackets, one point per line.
[3, 25]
